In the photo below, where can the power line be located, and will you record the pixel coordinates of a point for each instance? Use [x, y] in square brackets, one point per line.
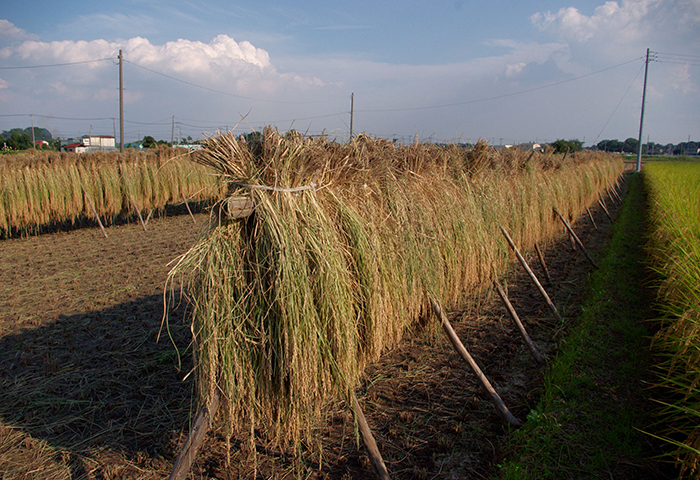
[678, 55]
[498, 97]
[54, 117]
[55, 64]
[618, 105]
[226, 93]
[148, 123]
[694, 64]
[677, 59]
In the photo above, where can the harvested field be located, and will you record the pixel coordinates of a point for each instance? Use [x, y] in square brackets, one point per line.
[88, 393]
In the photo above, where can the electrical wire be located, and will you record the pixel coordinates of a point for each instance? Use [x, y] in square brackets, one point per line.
[677, 59]
[226, 93]
[56, 64]
[595, 142]
[498, 97]
[55, 117]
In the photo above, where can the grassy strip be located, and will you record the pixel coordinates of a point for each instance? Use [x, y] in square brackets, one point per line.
[586, 423]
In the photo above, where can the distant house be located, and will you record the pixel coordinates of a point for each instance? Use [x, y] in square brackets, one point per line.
[75, 148]
[92, 143]
[41, 144]
[530, 146]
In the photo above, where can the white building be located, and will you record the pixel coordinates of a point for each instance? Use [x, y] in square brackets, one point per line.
[530, 146]
[98, 142]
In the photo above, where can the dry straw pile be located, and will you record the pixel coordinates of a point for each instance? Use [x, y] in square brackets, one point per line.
[346, 247]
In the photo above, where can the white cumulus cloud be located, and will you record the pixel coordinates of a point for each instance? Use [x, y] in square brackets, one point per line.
[623, 20]
[223, 63]
[9, 32]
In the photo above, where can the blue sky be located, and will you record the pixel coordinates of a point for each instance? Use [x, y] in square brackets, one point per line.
[448, 70]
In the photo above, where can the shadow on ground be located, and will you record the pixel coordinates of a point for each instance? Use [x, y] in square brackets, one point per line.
[99, 382]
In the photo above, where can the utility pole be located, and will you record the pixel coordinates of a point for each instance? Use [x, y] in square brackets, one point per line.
[352, 111]
[641, 120]
[34, 140]
[121, 104]
[172, 132]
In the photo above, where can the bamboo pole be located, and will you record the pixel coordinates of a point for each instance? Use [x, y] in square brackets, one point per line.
[459, 346]
[368, 438]
[578, 241]
[519, 324]
[201, 424]
[544, 265]
[533, 277]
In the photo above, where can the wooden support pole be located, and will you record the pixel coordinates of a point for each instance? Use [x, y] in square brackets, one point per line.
[617, 191]
[533, 277]
[544, 264]
[368, 438]
[201, 425]
[572, 242]
[605, 209]
[94, 211]
[591, 217]
[459, 346]
[578, 241]
[188, 207]
[149, 216]
[519, 324]
[138, 212]
[613, 194]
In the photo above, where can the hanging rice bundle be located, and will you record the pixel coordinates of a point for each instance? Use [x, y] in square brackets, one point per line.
[344, 249]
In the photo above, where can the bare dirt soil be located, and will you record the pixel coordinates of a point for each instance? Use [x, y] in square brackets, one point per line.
[87, 392]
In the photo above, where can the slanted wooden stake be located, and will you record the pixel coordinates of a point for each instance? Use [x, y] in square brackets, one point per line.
[544, 265]
[149, 216]
[94, 211]
[573, 234]
[368, 438]
[188, 207]
[133, 204]
[519, 324]
[615, 193]
[533, 277]
[459, 346]
[591, 217]
[605, 209]
[201, 425]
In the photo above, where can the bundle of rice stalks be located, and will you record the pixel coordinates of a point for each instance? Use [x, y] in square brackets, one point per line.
[44, 189]
[345, 248]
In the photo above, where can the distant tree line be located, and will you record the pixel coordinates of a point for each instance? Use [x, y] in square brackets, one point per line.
[571, 146]
[21, 138]
[631, 145]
